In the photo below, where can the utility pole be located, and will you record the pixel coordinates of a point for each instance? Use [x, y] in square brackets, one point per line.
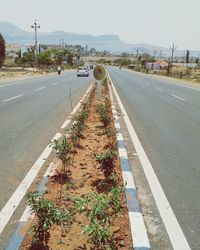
[173, 49]
[160, 54]
[62, 47]
[35, 26]
[154, 54]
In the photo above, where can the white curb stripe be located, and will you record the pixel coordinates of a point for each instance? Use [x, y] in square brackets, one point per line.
[8, 210]
[172, 226]
[128, 180]
[138, 230]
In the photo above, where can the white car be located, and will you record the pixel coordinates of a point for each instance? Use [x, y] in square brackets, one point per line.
[82, 71]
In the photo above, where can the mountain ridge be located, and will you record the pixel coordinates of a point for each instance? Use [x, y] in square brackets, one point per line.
[109, 42]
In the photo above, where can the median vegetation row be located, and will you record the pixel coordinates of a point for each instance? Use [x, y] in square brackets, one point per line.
[84, 205]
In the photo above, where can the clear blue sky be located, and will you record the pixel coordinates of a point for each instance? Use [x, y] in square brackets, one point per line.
[158, 22]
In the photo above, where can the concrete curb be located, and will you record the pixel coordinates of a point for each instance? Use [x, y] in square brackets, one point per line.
[138, 230]
[25, 221]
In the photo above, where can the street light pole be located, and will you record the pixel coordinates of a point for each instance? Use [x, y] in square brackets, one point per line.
[35, 26]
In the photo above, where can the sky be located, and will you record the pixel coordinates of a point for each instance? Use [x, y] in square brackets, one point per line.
[156, 22]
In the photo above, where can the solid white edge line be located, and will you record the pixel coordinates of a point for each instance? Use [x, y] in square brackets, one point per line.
[12, 98]
[9, 208]
[172, 226]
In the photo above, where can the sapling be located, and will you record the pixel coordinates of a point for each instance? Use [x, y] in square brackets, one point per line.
[47, 214]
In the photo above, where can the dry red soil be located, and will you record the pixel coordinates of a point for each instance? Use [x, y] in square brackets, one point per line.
[84, 176]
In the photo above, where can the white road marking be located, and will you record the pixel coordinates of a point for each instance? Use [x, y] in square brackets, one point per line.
[40, 88]
[9, 208]
[15, 83]
[178, 97]
[12, 98]
[172, 226]
[54, 83]
[159, 89]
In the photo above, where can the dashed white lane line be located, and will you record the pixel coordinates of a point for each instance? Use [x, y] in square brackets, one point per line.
[54, 83]
[40, 88]
[12, 98]
[9, 208]
[159, 89]
[172, 226]
[178, 97]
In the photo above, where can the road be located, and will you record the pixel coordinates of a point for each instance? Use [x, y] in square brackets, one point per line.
[166, 117]
[31, 112]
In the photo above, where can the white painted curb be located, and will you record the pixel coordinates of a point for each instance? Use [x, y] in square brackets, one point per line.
[138, 230]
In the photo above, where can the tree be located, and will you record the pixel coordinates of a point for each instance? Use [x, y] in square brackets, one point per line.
[44, 58]
[2, 50]
[187, 58]
[70, 58]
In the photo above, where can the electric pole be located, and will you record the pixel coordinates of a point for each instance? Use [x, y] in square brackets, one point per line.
[62, 44]
[173, 49]
[154, 54]
[35, 26]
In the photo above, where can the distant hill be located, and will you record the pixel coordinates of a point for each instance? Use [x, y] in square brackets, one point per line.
[112, 43]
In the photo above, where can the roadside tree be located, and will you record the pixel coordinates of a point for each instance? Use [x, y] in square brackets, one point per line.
[2, 50]
[187, 58]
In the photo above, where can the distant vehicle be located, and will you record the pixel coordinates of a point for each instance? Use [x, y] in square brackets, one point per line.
[83, 71]
[91, 66]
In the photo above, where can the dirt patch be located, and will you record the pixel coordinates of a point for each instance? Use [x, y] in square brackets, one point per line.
[89, 179]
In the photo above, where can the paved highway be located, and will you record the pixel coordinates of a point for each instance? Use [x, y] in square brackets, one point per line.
[166, 117]
[31, 112]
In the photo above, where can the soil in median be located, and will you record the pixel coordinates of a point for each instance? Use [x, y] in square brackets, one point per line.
[88, 183]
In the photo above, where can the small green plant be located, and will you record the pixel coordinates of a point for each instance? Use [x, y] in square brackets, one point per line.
[103, 112]
[47, 214]
[106, 131]
[106, 161]
[78, 126]
[99, 234]
[99, 209]
[62, 149]
[115, 198]
[82, 116]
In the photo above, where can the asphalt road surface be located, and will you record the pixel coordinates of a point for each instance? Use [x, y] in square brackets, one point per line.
[31, 112]
[166, 117]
